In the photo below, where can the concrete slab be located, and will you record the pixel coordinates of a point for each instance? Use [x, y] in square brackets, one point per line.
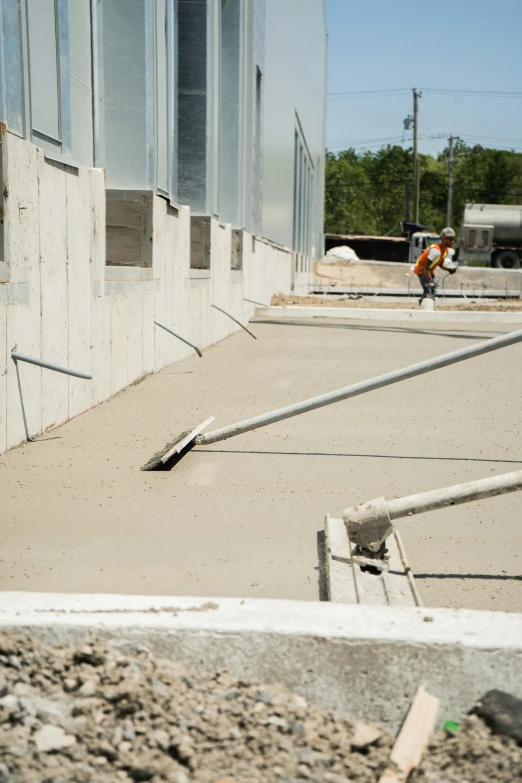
[366, 661]
[83, 518]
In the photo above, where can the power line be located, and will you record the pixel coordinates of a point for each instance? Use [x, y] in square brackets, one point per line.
[433, 90]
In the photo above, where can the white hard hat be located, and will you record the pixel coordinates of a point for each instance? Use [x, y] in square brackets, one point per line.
[447, 233]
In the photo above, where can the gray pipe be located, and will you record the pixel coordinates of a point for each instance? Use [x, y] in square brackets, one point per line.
[234, 319]
[183, 340]
[360, 388]
[452, 496]
[19, 357]
[253, 301]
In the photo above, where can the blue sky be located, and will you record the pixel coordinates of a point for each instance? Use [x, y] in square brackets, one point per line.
[393, 44]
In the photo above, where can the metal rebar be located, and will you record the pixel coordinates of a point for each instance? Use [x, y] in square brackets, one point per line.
[361, 388]
[253, 301]
[452, 496]
[55, 367]
[183, 340]
[234, 319]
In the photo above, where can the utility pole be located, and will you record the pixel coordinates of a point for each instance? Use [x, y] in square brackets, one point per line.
[451, 163]
[416, 163]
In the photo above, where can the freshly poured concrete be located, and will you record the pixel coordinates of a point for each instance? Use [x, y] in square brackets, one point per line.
[241, 518]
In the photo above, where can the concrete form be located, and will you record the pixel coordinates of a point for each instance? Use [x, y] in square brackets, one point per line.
[366, 661]
[59, 301]
[368, 314]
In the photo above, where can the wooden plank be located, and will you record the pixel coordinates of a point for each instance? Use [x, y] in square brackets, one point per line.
[413, 737]
[339, 573]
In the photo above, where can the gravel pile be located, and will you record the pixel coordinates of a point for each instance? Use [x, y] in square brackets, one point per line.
[106, 712]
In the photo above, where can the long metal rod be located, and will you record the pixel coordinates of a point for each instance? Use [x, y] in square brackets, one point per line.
[234, 319]
[452, 496]
[55, 367]
[253, 301]
[361, 388]
[183, 340]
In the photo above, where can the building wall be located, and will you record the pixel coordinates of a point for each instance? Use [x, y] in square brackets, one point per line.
[60, 302]
[296, 47]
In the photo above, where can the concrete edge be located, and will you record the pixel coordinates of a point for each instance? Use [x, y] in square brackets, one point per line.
[468, 628]
[364, 661]
[368, 314]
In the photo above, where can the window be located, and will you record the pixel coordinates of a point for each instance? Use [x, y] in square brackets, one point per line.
[162, 99]
[44, 70]
[257, 161]
[303, 201]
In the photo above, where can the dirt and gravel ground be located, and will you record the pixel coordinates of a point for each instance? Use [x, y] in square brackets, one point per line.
[382, 303]
[111, 713]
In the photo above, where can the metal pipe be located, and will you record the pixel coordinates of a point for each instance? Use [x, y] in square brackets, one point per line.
[361, 388]
[180, 338]
[19, 357]
[234, 319]
[452, 496]
[253, 301]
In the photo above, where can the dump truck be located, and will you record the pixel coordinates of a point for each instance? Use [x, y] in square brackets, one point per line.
[491, 234]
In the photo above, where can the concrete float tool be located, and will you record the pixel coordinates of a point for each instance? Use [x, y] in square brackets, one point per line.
[196, 437]
[364, 544]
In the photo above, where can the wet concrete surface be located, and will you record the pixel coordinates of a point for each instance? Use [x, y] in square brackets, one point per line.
[241, 518]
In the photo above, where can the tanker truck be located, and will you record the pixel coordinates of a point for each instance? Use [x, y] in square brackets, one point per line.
[491, 234]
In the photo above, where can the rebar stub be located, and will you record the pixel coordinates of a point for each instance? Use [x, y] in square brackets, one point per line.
[369, 524]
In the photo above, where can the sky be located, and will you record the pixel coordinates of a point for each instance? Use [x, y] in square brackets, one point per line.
[459, 45]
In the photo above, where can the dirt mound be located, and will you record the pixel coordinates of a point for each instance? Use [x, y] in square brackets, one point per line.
[109, 712]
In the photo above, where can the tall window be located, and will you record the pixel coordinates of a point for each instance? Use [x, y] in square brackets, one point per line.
[258, 174]
[44, 70]
[162, 98]
[303, 196]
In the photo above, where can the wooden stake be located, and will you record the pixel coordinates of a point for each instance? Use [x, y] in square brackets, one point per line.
[413, 737]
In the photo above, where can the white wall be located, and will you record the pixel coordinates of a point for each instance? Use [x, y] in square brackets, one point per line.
[62, 304]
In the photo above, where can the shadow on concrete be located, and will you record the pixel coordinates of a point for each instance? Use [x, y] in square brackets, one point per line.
[361, 456]
[322, 584]
[497, 577]
[370, 328]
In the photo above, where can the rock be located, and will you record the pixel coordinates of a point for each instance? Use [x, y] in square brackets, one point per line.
[128, 731]
[161, 738]
[5, 776]
[3, 686]
[365, 735]
[51, 738]
[70, 684]
[14, 662]
[502, 713]
[88, 688]
[86, 654]
[10, 702]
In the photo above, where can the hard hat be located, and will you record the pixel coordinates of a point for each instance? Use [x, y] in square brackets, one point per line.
[447, 233]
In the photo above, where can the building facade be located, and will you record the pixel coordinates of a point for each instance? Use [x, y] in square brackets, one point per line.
[185, 139]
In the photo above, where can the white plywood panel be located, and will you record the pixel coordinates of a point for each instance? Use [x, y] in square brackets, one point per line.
[54, 298]
[149, 333]
[22, 254]
[119, 343]
[101, 384]
[79, 289]
[3, 378]
[159, 266]
[135, 337]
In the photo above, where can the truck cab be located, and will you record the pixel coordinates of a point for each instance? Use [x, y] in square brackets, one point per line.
[419, 242]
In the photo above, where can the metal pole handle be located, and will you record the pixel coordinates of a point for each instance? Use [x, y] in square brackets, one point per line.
[361, 388]
[20, 357]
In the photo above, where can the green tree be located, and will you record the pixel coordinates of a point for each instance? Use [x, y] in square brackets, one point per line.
[365, 191]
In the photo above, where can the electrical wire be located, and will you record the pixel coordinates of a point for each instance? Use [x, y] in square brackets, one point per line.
[432, 90]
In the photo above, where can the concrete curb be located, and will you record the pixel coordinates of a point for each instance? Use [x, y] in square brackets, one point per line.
[368, 314]
[363, 660]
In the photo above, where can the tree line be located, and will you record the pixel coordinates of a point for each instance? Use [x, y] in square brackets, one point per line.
[365, 191]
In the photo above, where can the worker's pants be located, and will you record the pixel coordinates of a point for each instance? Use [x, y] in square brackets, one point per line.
[429, 286]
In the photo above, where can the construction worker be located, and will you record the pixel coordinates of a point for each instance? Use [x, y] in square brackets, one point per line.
[434, 256]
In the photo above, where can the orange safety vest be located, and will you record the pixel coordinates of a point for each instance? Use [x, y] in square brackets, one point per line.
[425, 266]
